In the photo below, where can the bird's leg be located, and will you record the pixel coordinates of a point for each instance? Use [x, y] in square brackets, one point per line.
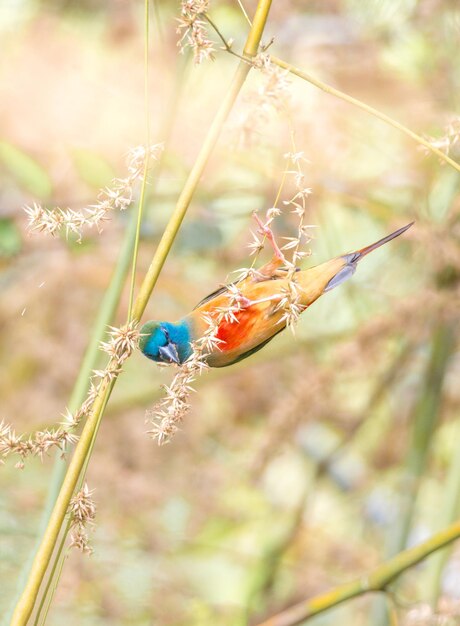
[270, 269]
[267, 232]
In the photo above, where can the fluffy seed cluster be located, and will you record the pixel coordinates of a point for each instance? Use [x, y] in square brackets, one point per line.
[169, 413]
[289, 298]
[118, 196]
[167, 416]
[192, 29]
[449, 140]
[122, 342]
[37, 444]
[272, 95]
[82, 510]
[40, 442]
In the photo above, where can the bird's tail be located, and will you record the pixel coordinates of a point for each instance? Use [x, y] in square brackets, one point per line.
[322, 278]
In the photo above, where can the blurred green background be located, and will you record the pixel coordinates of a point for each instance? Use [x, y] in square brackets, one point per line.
[311, 462]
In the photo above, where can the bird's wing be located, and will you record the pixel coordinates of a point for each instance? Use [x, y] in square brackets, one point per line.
[214, 294]
[247, 329]
[269, 271]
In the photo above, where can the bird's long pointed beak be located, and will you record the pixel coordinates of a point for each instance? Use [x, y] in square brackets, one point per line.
[352, 258]
[359, 254]
[169, 353]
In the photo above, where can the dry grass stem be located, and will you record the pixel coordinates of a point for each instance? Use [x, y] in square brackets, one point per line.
[122, 342]
[118, 196]
[38, 444]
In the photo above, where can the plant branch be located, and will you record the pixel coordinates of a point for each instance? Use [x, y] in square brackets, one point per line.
[140, 209]
[376, 580]
[104, 317]
[192, 181]
[28, 598]
[364, 107]
[292, 69]
[227, 44]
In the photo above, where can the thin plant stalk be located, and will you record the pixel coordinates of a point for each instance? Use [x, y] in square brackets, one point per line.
[167, 125]
[425, 419]
[92, 354]
[364, 107]
[292, 69]
[449, 511]
[140, 209]
[375, 581]
[31, 590]
[193, 179]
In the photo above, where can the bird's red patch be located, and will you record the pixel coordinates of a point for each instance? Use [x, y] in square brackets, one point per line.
[233, 334]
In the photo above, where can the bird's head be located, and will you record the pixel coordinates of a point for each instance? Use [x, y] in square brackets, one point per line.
[165, 342]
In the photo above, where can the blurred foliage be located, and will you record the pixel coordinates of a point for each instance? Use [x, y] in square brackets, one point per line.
[25, 170]
[290, 476]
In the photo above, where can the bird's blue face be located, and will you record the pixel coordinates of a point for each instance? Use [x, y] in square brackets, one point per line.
[165, 342]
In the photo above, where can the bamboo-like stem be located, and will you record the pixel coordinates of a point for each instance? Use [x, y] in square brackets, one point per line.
[92, 354]
[105, 317]
[448, 511]
[275, 550]
[425, 419]
[376, 580]
[28, 598]
[292, 69]
[192, 181]
[364, 107]
[141, 204]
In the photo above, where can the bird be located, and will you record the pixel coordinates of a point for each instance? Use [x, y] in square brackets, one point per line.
[259, 314]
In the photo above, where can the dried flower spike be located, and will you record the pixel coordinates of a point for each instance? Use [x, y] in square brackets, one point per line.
[192, 29]
[448, 141]
[82, 510]
[116, 197]
[37, 444]
[271, 96]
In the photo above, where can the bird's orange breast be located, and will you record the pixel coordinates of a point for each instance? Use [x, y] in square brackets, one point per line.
[233, 334]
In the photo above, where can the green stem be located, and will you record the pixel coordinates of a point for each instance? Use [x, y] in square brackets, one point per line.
[92, 354]
[364, 107]
[377, 580]
[344, 96]
[425, 419]
[28, 598]
[140, 209]
[193, 179]
[447, 513]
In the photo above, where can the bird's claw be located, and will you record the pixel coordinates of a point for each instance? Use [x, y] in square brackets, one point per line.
[267, 232]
